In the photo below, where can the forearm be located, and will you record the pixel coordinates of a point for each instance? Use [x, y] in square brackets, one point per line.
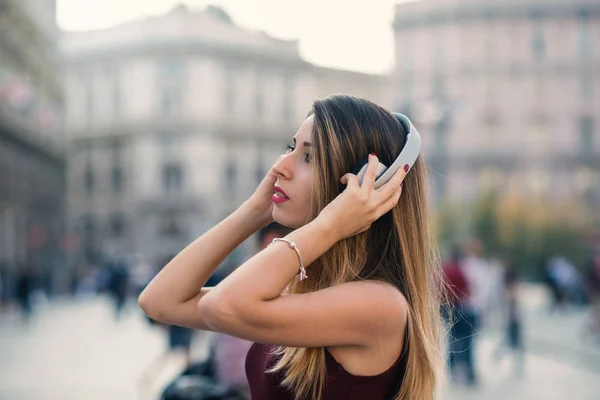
[184, 276]
[265, 276]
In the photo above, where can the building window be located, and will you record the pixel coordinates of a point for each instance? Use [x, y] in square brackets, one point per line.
[229, 88]
[88, 227]
[117, 95]
[172, 175]
[586, 78]
[586, 134]
[585, 35]
[170, 77]
[88, 224]
[538, 42]
[170, 101]
[438, 51]
[117, 179]
[4, 178]
[288, 100]
[171, 68]
[89, 100]
[117, 225]
[491, 124]
[88, 179]
[230, 176]
[259, 98]
[260, 173]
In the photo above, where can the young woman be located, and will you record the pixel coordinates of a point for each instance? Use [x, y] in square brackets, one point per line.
[364, 322]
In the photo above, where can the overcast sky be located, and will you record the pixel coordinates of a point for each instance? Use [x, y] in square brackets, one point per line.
[349, 34]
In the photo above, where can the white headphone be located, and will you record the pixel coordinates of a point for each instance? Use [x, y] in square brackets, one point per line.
[407, 156]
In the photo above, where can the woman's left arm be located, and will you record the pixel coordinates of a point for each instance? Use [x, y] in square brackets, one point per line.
[249, 303]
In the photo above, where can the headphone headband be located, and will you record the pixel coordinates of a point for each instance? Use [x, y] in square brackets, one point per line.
[408, 155]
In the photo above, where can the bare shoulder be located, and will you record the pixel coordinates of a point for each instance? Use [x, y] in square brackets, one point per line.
[383, 311]
[386, 303]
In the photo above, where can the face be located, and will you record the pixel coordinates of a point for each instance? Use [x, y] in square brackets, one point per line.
[294, 179]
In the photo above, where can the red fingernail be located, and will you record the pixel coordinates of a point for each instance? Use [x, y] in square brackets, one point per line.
[373, 154]
[406, 167]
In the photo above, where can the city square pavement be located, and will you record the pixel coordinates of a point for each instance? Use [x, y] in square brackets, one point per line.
[76, 350]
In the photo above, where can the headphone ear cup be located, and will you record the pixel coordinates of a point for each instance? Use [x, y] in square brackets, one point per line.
[355, 171]
[359, 166]
[362, 170]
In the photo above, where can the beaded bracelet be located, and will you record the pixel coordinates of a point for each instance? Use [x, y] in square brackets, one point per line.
[302, 274]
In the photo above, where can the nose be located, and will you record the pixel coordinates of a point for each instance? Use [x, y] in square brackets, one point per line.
[283, 167]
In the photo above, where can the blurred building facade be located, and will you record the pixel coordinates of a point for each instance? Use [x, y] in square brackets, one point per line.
[32, 162]
[174, 119]
[508, 94]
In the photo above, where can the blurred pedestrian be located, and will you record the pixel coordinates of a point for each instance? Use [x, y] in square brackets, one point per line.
[25, 286]
[5, 287]
[459, 316]
[593, 282]
[476, 270]
[513, 337]
[567, 280]
[142, 273]
[118, 283]
[557, 295]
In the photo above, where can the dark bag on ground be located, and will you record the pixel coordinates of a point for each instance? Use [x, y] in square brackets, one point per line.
[197, 383]
[197, 387]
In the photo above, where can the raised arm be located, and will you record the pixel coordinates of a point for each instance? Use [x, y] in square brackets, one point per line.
[249, 304]
[172, 296]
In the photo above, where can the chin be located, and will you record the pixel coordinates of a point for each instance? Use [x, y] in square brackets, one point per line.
[286, 220]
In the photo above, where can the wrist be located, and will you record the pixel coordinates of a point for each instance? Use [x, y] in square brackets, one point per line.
[327, 228]
[254, 215]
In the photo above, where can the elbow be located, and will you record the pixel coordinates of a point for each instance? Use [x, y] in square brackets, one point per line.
[150, 307]
[219, 312]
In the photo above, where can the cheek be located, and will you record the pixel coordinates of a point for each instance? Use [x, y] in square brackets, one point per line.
[308, 184]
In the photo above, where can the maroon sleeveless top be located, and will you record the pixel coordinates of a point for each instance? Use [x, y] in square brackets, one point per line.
[340, 385]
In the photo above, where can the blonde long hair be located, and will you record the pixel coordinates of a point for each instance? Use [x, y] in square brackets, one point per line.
[397, 249]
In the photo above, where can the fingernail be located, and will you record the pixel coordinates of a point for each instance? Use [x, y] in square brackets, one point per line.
[406, 167]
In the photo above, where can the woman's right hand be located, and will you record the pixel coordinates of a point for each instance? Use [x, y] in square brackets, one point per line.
[358, 206]
[261, 201]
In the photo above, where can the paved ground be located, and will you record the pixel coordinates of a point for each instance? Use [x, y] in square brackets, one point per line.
[544, 377]
[77, 351]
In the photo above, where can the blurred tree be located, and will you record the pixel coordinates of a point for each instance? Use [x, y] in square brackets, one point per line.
[519, 231]
[485, 224]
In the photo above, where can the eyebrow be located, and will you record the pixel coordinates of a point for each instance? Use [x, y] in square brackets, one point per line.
[306, 144]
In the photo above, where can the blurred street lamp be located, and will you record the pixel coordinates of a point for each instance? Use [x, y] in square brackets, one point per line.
[435, 115]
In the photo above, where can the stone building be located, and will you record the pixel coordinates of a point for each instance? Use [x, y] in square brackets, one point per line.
[508, 93]
[32, 163]
[173, 119]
